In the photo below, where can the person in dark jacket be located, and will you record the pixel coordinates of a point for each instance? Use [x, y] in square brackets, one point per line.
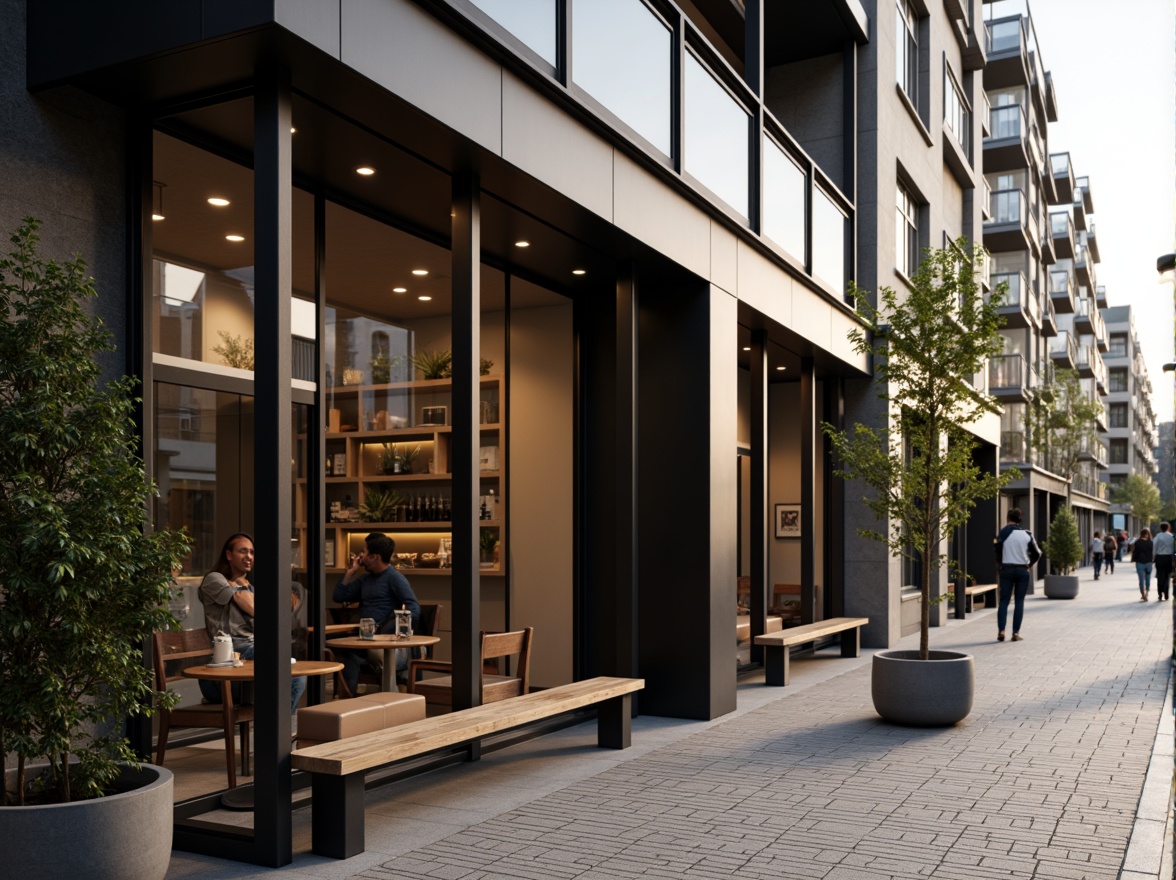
[1016, 552]
[1141, 555]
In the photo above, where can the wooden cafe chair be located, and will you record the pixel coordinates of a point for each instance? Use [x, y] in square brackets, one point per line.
[494, 687]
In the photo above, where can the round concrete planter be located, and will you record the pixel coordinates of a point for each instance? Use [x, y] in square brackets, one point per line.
[125, 836]
[1061, 586]
[936, 692]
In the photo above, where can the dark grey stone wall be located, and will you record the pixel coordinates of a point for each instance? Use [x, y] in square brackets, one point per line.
[62, 161]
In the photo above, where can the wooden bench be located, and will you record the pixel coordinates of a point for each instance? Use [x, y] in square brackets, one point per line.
[778, 646]
[338, 767]
[743, 626]
[974, 590]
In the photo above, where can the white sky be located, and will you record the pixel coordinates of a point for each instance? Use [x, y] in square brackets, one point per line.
[1114, 69]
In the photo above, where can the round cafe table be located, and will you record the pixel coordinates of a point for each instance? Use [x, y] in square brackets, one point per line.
[387, 644]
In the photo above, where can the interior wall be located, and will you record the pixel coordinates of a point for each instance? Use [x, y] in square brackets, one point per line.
[784, 478]
[540, 486]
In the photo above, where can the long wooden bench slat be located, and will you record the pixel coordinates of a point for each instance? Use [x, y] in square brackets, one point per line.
[976, 589]
[798, 635]
[369, 750]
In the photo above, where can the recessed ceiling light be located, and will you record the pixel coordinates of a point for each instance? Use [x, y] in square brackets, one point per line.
[781, 368]
[747, 348]
[522, 243]
[423, 298]
[218, 202]
[156, 216]
[400, 290]
[579, 271]
[234, 238]
[293, 129]
[420, 271]
[365, 171]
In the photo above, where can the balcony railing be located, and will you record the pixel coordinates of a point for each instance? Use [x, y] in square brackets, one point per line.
[1012, 446]
[1007, 122]
[1063, 346]
[1008, 206]
[1010, 371]
[1003, 36]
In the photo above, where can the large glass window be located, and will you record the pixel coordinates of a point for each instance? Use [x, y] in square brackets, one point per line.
[1118, 450]
[956, 112]
[621, 54]
[1118, 380]
[1117, 414]
[907, 50]
[532, 21]
[785, 185]
[829, 223]
[906, 231]
[1118, 345]
[716, 137]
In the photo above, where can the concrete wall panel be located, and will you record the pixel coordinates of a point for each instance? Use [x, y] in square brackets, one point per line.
[652, 213]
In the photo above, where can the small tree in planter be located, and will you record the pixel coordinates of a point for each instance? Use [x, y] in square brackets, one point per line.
[927, 346]
[81, 585]
[1064, 549]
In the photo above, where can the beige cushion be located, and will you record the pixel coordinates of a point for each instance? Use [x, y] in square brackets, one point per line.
[363, 714]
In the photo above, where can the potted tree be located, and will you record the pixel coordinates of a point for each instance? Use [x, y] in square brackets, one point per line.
[919, 470]
[81, 587]
[1064, 549]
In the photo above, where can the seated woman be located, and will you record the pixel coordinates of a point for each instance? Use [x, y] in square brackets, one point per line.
[227, 595]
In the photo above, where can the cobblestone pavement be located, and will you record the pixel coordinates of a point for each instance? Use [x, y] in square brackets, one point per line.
[1042, 780]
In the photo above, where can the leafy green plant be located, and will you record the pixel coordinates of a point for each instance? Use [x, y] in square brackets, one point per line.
[439, 364]
[394, 454]
[1061, 421]
[1140, 496]
[485, 365]
[381, 365]
[81, 585]
[919, 470]
[1063, 547]
[487, 541]
[379, 505]
[235, 351]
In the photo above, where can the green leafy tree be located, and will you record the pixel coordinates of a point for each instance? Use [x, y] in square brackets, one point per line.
[927, 346]
[1063, 546]
[81, 585]
[1061, 418]
[1140, 496]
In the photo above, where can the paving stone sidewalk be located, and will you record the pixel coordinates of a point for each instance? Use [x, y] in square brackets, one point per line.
[1042, 780]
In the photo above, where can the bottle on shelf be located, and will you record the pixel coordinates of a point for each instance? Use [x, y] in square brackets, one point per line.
[490, 513]
[485, 514]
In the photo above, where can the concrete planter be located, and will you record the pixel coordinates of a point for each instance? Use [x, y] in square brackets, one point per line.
[125, 836]
[1061, 586]
[936, 692]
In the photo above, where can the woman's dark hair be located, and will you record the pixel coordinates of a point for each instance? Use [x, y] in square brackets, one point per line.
[222, 564]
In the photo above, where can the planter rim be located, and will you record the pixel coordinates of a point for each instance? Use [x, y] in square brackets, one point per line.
[162, 777]
[911, 655]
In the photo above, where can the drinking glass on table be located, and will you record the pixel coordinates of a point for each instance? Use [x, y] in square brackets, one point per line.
[367, 628]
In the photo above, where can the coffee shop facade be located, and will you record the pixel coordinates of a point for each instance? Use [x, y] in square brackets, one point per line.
[543, 290]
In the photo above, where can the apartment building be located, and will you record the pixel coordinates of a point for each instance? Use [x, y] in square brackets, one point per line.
[1043, 249]
[1132, 434]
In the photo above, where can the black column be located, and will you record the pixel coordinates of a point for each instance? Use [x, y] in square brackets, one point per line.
[271, 463]
[316, 452]
[808, 464]
[467, 332]
[758, 521]
[834, 503]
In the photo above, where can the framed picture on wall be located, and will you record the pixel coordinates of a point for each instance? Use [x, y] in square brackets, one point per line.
[788, 521]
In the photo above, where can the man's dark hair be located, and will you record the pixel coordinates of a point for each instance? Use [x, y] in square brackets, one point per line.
[1015, 515]
[381, 545]
[1163, 527]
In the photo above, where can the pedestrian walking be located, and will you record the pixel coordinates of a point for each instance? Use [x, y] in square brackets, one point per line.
[1142, 555]
[1163, 548]
[1110, 548]
[1096, 553]
[1016, 552]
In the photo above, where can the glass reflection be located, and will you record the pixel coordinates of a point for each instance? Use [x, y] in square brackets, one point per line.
[716, 135]
[621, 56]
[828, 241]
[532, 21]
[784, 200]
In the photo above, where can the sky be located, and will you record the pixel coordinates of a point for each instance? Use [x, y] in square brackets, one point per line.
[1114, 73]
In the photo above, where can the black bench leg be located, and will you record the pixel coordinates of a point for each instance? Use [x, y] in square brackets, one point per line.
[776, 665]
[970, 603]
[851, 642]
[336, 817]
[614, 727]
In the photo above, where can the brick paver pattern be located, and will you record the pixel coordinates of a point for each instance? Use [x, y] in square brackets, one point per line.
[1040, 781]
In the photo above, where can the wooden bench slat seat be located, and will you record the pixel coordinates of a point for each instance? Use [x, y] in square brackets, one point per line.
[973, 590]
[778, 645]
[338, 767]
[743, 626]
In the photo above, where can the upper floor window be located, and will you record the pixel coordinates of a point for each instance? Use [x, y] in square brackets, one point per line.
[1118, 379]
[907, 50]
[957, 113]
[1118, 450]
[906, 231]
[1118, 345]
[1117, 414]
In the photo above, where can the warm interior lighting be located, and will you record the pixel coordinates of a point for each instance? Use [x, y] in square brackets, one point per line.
[424, 298]
[781, 368]
[157, 200]
[218, 202]
[234, 238]
[579, 271]
[365, 171]
[522, 243]
[400, 290]
[293, 129]
[421, 272]
[747, 348]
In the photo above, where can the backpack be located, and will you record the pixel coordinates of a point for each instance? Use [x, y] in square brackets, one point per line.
[1109, 545]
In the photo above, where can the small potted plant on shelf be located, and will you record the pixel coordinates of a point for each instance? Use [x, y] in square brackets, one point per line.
[380, 505]
[439, 364]
[397, 458]
[81, 587]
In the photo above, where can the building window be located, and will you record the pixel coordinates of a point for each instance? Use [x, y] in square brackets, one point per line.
[907, 50]
[957, 113]
[1118, 379]
[1118, 345]
[906, 232]
[1117, 413]
[1118, 450]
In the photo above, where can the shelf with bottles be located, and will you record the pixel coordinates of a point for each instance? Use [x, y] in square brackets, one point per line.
[404, 407]
[420, 552]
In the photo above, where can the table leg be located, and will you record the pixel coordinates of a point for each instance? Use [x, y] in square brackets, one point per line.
[388, 676]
